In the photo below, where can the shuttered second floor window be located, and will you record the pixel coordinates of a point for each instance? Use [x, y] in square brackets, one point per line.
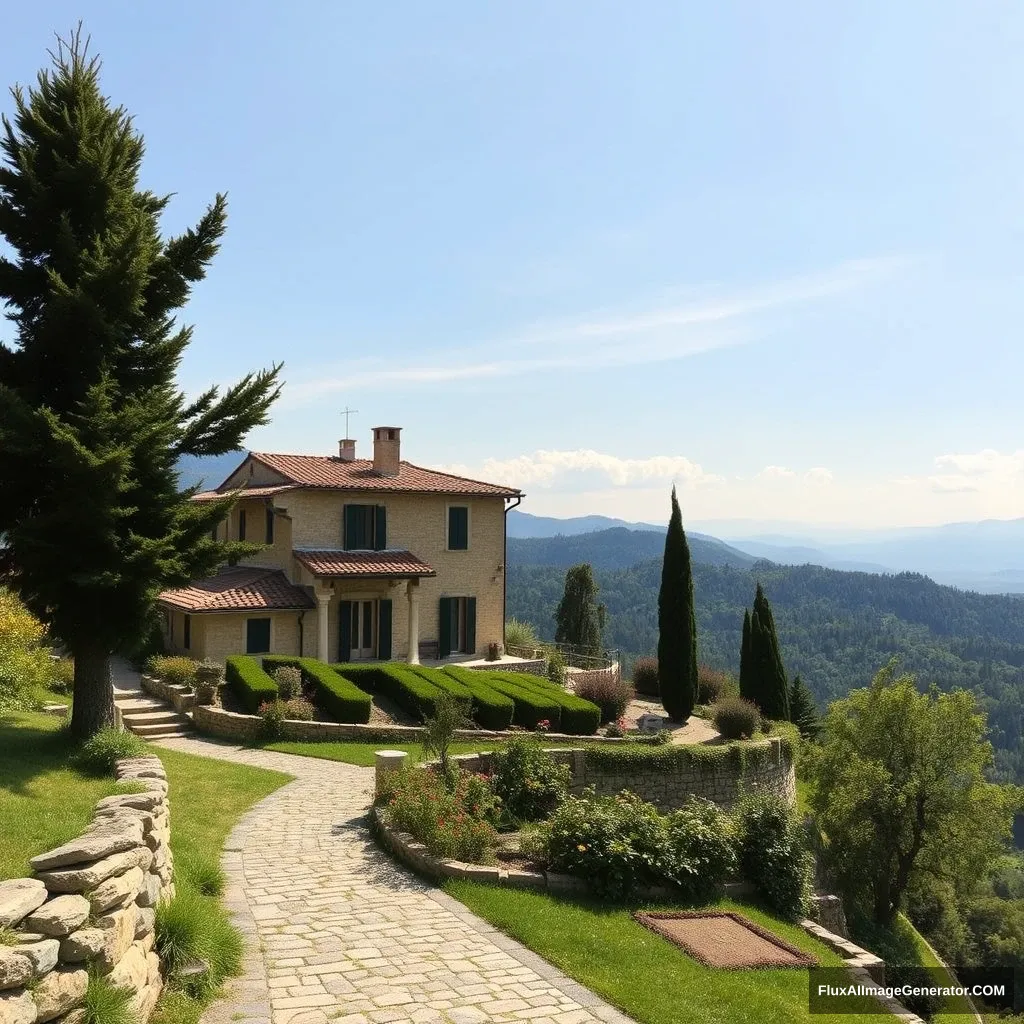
[458, 528]
[365, 528]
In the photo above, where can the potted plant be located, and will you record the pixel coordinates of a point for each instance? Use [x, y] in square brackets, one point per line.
[493, 652]
[208, 677]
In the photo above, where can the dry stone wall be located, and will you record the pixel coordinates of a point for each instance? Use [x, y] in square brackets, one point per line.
[91, 906]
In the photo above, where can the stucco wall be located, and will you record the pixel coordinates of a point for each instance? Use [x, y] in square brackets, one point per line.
[224, 633]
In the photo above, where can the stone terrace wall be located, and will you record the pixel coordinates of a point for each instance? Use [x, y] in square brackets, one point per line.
[91, 905]
[766, 766]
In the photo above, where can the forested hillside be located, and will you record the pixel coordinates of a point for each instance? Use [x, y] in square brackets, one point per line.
[836, 629]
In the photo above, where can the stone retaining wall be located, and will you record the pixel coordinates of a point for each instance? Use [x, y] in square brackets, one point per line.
[91, 906]
[181, 697]
[766, 766]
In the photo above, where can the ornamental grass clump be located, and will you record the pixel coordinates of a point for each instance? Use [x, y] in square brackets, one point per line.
[173, 670]
[645, 676]
[736, 718]
[99, 754]
[528, 781]
[454, 823]
[711, 684]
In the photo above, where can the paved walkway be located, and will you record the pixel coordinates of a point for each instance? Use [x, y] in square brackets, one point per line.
[338, 932]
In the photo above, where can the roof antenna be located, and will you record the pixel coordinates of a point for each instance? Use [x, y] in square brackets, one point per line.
[346, 412]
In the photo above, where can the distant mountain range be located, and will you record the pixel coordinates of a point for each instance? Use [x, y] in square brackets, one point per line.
[987, 556]
[207, 471]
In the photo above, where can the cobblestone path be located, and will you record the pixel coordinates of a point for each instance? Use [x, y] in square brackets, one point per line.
[337, 932]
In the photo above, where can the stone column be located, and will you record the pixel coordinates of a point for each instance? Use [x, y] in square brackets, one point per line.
[323, 603]
[413, 592]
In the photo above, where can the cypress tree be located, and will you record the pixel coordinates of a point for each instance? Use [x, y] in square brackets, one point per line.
[92, 422]
[579, 619]
[746, 661]
[803, 710]
[677, 623]
[771, 686]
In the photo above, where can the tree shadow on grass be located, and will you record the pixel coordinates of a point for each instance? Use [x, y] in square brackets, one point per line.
[27, 751]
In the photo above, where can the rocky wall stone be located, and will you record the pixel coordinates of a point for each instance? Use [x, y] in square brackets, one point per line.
[91, 908]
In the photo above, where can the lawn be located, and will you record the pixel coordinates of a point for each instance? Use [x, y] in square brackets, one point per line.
[361, 752]
[644, 975]
[44, 803]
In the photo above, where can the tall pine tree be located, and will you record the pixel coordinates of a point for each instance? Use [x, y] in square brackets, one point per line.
[746, 660]
[770, 685]
[677, 623]
[579, 619]
[803, 712]
[92, 422]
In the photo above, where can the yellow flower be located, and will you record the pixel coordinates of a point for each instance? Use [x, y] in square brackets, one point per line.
[582, 847]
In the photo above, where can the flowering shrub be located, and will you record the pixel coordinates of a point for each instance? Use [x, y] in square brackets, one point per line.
[456, 824]
[272, 717]
[702, 842]
[173, 669]
[289, 681]
[530, 784]
[616, 843]
[299, 709]
[24, 663]
[610, 693]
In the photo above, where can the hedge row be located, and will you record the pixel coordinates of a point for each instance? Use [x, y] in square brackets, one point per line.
[631, 757]
[250, 683]
[490, 709]
[398, 681]
[536, 700]
[334, 694]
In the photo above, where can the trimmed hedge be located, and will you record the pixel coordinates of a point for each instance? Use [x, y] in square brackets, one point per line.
[576, 716]
[251, 684]
[336, 695]
[491, 709]
[530, 707]
[395, 680]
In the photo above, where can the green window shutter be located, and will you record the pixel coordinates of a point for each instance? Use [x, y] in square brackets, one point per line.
[458, 528]
[345, 631]
[471, 625]
[444, 632]
[349, 534]
[257, 636]
[384, 629]
[241, 524]
[380, 533]
[188, 632]
[270, 526]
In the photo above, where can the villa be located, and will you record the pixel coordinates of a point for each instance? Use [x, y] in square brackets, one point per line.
[362, 559]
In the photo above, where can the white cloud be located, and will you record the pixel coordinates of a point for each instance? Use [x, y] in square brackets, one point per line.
[775, 473]
[819, 475]
[611, 338]
[548, 468]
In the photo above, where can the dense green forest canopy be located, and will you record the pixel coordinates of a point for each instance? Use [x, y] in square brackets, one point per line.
[836, 629]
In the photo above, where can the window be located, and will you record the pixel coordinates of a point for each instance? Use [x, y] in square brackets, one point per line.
[458, 528]
[364, 630]
[241, 524]
[457, 626]
[188, 632]
[257, 636]
[270, 526]
[365, 528]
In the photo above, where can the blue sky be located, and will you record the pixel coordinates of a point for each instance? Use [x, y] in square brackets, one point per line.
[771, 251]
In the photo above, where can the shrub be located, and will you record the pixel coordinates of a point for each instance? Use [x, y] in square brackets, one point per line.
[490, 709]
[773, 854]
[250, 683]
[298, 709]
[172, 669]
[520, 634]
[397, 681]
[556, 668]
[736, 718]
[711, 684]
[531, 785]
[203, 875]
[702, 840]
[645, 676]
[572, 714]
[530, 707]
[98, 754]
[106, 1003]
[24, 663]
[439, 731]
[452, 823]
[615, 730]
[610, 693]
[190, 928]
[62, 676]
[289, 681]
[336, 695]
[615, 843]
[273, 715]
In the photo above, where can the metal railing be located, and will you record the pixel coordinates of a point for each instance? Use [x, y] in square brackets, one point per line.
[574, 656]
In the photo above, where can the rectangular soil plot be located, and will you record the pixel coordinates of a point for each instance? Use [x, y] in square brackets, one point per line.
[718, 938]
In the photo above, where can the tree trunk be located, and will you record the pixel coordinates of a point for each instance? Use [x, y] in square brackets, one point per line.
[93, 706]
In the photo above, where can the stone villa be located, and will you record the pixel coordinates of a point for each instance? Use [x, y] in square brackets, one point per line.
[363, 559]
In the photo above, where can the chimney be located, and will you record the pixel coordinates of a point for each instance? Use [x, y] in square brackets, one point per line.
[347, 450]
[386, 450]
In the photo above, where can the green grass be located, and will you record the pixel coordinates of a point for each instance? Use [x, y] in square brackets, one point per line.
[44, 802]
[645, 975]
[359, 752]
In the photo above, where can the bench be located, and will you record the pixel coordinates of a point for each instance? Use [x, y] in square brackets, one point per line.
[430, 650]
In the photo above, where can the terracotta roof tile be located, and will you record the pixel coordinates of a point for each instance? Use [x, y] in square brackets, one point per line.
[239, 589]
[401, 564]
[247, 492]
[358, 475]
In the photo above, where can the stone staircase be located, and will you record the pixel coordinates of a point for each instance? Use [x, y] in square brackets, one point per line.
[151, 717]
